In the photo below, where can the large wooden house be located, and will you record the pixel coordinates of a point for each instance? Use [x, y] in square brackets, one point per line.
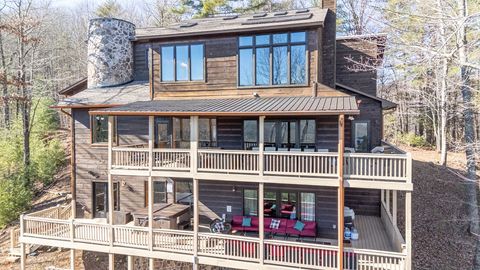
[257, 120]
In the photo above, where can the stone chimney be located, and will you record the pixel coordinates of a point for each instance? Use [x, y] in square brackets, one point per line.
[330, 4]
[110, 52]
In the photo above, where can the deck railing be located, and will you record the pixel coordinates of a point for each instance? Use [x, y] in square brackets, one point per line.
[393, 167]
[300, 254]
[357, 166]
[229, 246]
[232, 247]
[171, 159]
[228, 161]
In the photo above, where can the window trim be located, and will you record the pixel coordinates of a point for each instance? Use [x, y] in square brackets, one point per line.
[145, 193]
[271, 46]
[118, 195]
[369, 131]
[189, 81]
[115, 133]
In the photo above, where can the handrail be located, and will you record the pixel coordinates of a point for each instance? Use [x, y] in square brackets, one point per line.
[397, 255]
[300, 244]
[231, 237]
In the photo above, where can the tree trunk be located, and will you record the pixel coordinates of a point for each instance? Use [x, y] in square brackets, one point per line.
[5, 99]
[469, 124]
[443, 92]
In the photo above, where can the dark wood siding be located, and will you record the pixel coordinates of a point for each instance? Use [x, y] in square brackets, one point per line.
[363, 201]
[230, 133]
[91, 161]
[221, 68]
[349, 53]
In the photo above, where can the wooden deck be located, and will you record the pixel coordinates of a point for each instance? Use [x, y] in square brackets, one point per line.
[372, 234]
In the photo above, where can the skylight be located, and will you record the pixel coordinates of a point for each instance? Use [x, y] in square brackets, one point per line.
[188, 24]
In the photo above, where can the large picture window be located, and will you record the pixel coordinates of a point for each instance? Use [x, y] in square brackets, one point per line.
[183, 62]
[278, 59]
[99, 129]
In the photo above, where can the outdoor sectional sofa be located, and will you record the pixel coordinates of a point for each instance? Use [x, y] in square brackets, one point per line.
[286, 226]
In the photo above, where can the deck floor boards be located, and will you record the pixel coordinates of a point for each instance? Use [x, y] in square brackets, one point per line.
[372, 234]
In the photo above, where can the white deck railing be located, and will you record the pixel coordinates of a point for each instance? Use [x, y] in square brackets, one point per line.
[357, 166]
[232, 247]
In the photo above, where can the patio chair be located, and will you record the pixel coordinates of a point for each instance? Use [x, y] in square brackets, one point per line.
[322, 150]
[270, 148]
[295, 150]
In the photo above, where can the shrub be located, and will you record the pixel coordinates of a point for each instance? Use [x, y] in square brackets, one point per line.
[411, 139]
[15, 197]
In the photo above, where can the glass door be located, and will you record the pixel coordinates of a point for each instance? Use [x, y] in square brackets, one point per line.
[164, 133]
[361, 136]
[100, 200]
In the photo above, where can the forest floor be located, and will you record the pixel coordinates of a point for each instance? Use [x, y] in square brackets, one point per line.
[440, 237]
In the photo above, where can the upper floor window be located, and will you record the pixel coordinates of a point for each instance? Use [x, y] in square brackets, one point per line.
[183, 62]
[276, 59]
[99, 129]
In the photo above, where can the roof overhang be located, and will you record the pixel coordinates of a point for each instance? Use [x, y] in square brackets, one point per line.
[268, 106]
[386, 104]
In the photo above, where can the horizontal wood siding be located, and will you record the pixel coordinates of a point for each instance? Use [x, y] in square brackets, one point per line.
[351, 52]
[327, 133]
[221, 71]
[363, 201]
[230, 133]
[91, 161]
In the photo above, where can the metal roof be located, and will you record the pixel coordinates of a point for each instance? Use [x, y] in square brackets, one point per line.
[236, 24]
[240, 106]
[108, 96]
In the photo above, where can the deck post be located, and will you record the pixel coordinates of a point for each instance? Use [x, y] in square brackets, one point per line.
[72, 259]
[195, 223]
[151, 120]
[394, 207]
[261, 228]
[193, 144]
[23, 257]
[261, 145]
[341, 192]
[111, 261]
[408, 229]
[130, 262]
[387, 198]
[111, 123]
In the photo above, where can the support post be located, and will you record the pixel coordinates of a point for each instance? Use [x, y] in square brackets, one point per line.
[394, 207]
[72, 259]
[73, 187]
[151, 120]
[195, 223]
[408, 229]
[261, 145]
[387, 198]
[111, 124]
[261, 228]
[341, 192]
[111, 261]
[130, 262]
[23, 257]
[193, 143]
[151, 265]
[382, 195]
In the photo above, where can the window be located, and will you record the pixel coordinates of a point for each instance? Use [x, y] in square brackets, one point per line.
[307, 205]
[159, 192]
[182, 62]
[361, 136]
[250, 202]
[250, 134]
[181, 132]
[183, 192]
[99, 129]
[207, 132]
[100, 198]
[290, 133]
[288, 207]
[278, 59]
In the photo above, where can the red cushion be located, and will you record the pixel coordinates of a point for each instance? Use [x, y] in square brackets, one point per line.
[237, 221]
[310, 229]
